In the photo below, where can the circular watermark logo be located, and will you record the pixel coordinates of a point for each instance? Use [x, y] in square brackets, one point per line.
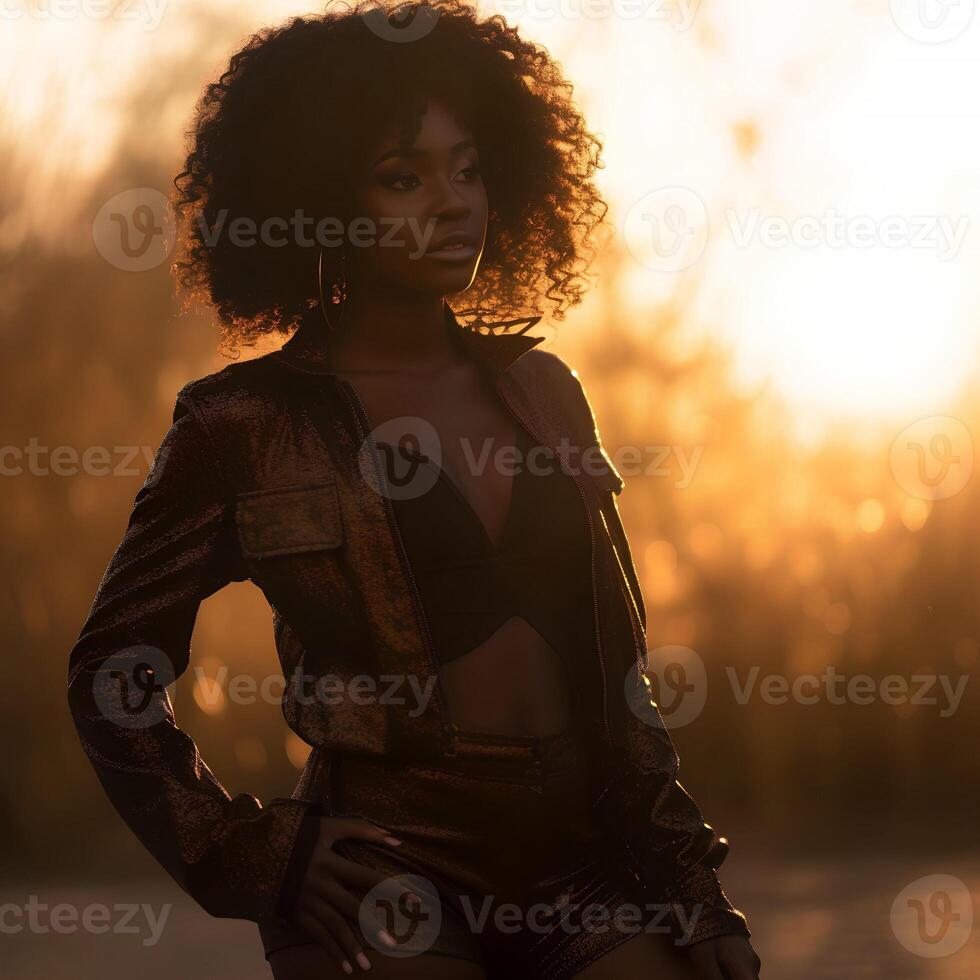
[134, 231]
[933, 458]
[933, 916]
[413, 925]
[667, 229]
[406, 457]
[672, 692]
[932, 21]
[129, 686]
[405, 23]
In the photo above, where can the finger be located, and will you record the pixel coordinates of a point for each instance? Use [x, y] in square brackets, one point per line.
[321, 874]
[342, 903]
[327, 833]
[349, 904]
[346, 904]
[339, 928]
[341, 899]
[357, 829]
[356, 879]
[706, 962]
[323, 937]
[353, 873]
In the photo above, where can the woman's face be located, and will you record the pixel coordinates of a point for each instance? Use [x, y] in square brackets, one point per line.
[424, 208]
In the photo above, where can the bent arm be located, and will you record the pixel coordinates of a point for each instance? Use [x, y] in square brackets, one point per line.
[229, 854]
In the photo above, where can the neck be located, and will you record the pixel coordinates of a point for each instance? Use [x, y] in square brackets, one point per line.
[382, 331]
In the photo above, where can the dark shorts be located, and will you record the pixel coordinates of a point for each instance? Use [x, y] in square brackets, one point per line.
[499, 843]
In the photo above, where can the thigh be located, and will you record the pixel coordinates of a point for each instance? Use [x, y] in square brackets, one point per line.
[652, 956]
[312, 962]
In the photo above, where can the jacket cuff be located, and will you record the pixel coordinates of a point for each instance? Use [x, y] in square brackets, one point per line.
[700, 909]
[243, 874]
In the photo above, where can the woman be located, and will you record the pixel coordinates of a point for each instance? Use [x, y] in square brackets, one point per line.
[481, 800]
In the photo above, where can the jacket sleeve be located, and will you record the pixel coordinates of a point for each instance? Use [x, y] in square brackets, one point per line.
[660, 825]
[230, 854]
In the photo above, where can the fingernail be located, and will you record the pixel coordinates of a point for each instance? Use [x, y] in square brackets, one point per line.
[414, 899]
[347, 967]
[363, 962]
[386, 937]
[394, 841]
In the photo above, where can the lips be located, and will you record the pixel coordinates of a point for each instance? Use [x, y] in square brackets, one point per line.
[457, 245]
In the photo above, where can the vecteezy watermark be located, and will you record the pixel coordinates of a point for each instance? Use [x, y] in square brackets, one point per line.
[64, 918]
[415, 925]
[402, 458]
[831, 687]
[932, 459]
[673, 690]
[147, 12]
[405, 23]
[129, 688]
[678, 15]
[329, 690]
[38, 460]
[932, 21]
[135, 230]
[308, 231]
[574, 918]
[832, 229]
[933, 916]
[667, 230]
[656, 461]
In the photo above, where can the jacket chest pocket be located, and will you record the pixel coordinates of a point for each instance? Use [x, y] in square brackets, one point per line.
[288, 521]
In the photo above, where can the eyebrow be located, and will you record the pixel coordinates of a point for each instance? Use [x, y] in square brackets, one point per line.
[413, 152]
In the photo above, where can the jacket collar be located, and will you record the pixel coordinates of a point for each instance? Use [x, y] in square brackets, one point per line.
[305, 351]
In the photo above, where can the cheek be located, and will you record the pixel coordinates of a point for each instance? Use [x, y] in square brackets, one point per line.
[477, 198]
[394, 254]
[401, 227]
[386, 238]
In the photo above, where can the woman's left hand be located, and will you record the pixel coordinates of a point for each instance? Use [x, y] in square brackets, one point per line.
[725, 958]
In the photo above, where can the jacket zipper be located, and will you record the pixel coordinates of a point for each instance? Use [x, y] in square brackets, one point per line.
[624, 591]
[364, 426]
[595, 594]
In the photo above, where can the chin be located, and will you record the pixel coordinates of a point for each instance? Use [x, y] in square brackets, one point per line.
[447, 281]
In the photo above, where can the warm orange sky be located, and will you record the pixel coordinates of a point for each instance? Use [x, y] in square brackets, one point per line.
[820, 162]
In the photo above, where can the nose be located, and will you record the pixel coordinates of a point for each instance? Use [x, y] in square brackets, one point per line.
[451, 203]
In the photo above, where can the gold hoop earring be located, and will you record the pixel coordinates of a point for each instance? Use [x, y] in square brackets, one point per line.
[339, 291]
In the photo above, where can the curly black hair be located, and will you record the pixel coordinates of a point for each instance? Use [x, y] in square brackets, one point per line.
[281, 128]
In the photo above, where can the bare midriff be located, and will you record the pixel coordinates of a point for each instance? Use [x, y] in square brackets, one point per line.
[497, 542]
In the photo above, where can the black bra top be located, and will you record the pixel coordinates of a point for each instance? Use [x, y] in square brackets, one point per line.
[541, 570]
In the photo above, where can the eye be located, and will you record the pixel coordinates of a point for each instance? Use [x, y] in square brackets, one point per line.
[402, 182]
[471, 172]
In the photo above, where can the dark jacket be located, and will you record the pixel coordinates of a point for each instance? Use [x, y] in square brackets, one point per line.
[261, 477]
